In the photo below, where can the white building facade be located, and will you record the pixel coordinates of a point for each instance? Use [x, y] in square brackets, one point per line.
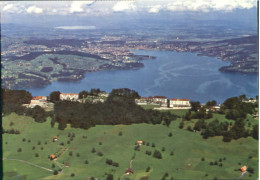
[69, 97]
[179, 103]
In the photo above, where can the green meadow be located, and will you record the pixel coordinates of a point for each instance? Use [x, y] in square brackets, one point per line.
[185, 154]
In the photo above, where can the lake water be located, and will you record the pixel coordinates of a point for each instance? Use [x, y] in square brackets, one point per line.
[171, 74]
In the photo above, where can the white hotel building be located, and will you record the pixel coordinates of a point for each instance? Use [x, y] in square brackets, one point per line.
[179, 103]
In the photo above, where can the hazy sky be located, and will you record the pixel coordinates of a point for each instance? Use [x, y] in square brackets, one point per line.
[50, 11]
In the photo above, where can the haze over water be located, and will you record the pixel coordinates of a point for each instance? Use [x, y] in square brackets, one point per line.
[171, 74]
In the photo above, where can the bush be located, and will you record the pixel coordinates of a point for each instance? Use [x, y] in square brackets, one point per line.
[45, 142]
[189, 128]
[68, 142]
[53, 165]
[55, 172]
[220, 160]
[70, 153]
[148, 169]
[36, 155]
[19, 150]
[170, 134]
[115, 164]
[24, 140]
[137, 148]
[148, 152]
[211, 163]
[109, 161]
[62, 144]
[181, 125]
[33, 147]
[220, 164]
[147, 144]
[86, 162]
[100, 143]
[251, 170]
[29, 141]
[41, 148]
[100, 154]
[109, 177]
[153, 145]
[72, 175]
[163, 149]
[93, 150]
[39, 143]
[120, 133]
[77, 154]
[157, 154]
[172, 153]
[202, 159]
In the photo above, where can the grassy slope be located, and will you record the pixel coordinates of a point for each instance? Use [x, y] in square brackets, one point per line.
[188, 147]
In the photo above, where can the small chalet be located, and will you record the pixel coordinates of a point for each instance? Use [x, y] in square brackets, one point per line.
[55, 138]
[129, 171]
[52, 157]
[243, 169]
[140, 143]
[69, 96]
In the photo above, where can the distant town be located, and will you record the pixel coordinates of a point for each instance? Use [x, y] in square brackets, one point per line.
[33, 62]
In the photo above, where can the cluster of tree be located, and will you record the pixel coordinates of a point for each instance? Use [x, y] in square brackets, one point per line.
[112, 163]
[37, 113]
[200, 113]
[236, 109]
[217, 128]
[11, 131]
[120, 108]
[92, 92]
[12, 101]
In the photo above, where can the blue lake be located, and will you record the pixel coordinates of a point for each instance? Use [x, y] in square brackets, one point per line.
[171, 74]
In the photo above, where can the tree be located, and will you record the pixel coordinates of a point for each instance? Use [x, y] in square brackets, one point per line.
[254, 132]
[83, 94]
[157, 154]
[39, 114]
[181, 125]
[170, 134]
[109, 177]
[55, 96]
[148, 169]
[195, 105]
[211, 103]
[55, 172]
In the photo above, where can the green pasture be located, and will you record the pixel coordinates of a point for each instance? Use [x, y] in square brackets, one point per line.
[186, 162]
